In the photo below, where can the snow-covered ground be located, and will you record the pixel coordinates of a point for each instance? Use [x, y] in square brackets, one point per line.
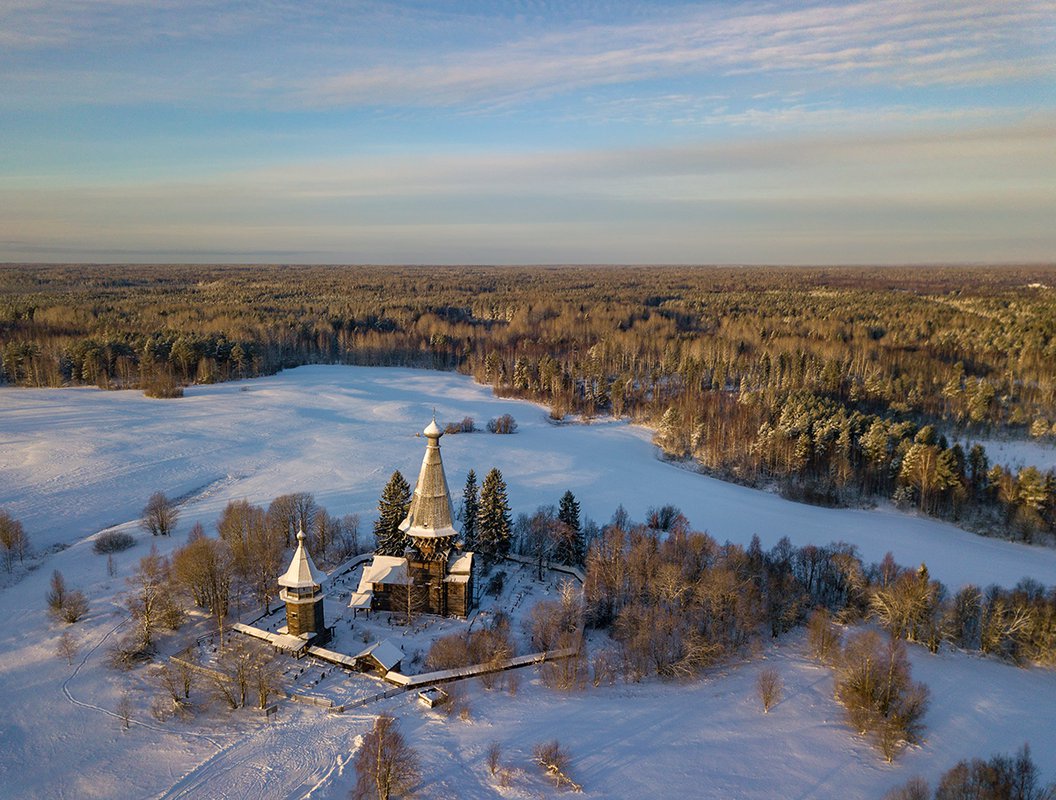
[1015, 454]
[73, 462]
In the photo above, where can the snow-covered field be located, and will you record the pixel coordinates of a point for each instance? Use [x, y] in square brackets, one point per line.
[73, 462]
[1015, 454]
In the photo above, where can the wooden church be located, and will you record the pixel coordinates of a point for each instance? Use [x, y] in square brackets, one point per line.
[434, 575]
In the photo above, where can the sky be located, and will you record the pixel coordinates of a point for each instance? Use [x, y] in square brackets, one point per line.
[528, 131]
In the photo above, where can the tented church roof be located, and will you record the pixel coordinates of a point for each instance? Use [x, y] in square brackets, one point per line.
[430, 514]
[302, 573]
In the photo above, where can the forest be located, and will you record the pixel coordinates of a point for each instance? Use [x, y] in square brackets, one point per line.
[834, 385]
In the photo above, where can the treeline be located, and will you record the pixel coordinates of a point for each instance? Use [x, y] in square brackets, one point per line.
[817, 379]
[677, 601]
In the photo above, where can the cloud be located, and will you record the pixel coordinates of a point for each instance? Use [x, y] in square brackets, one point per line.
[287, 56]
[980, 193]
[888, 41]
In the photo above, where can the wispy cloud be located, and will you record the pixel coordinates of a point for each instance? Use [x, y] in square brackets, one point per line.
[286, 55]
[887, 41]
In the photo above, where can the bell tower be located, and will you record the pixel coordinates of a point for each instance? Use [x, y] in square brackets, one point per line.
[301, 591]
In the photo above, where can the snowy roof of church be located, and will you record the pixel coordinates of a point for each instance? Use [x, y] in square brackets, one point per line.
[430, 514]
[360, 599]
[384, 569]
[461, 564]
[302, 573]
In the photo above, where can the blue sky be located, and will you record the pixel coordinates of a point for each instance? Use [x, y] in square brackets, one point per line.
[528, 132]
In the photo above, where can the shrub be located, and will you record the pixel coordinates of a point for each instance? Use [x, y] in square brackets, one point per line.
[914, 789]
[768, 685]
[467, 425]
[113, 542]
[1000, 778]
[554, 759]
[493, 757]
[503, 424]
[873, 683]
[163, 386]
[495, 584]
[76, 606]
[823, 636]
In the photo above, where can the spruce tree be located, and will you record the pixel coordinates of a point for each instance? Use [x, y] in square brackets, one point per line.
[493, 516]
[392, 508]
[570, 549]
[470, 509]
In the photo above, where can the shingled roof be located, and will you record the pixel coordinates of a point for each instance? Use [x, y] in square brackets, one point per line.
[430, 515]
[302, 573]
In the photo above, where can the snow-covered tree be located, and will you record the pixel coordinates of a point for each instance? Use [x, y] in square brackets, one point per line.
[470, 507]
[493, 516]
[569, 548]
[930, 470]
[392, 508]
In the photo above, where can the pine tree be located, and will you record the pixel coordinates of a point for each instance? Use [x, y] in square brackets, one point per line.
[570, 549]
[493, 516]
[392, 508]
[470, 509]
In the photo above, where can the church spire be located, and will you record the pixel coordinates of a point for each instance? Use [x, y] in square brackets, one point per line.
[430, 518]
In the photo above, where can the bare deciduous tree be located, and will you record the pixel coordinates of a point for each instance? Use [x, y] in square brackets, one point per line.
[768, 685]
[386, 766]
[493, 756]
[64, 604]
[159, 515]
[915, 788]
[999, 777]
[204, 568]
[124, 709]
[234, 675]
[823, 636]
[347, 544]
[56, 595]
[151, 599]
[67, 647]
[874, 685]
[256, 548]
[171, 682]
[76, 606]
[266, 678]
[13, 541]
